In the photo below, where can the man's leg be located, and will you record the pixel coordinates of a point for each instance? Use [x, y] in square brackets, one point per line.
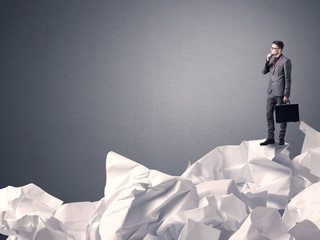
[269, 114]
[283, 126]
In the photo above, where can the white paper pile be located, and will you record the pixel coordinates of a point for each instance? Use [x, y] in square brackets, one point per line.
[233, 192]
[310, 153]
[26, 211]
[263, 223]
[261, 173]
[306, 205]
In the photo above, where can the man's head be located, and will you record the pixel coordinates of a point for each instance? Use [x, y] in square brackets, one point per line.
[276, 48]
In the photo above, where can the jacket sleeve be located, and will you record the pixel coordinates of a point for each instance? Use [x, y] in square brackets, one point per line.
[287, 77]
[266, 67]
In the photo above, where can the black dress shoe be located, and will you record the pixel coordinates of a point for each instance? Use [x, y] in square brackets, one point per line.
[266, 142]
[281, 141]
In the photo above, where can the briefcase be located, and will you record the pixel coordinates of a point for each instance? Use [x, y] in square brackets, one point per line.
[287, 113]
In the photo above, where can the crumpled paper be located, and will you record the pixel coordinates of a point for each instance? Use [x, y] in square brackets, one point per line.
[263, 224]
[233, 192]
[257, 171]
[310, 153]
[25, 211]
[139, 200]
[305, 230]
[304, 206]
[194, 230]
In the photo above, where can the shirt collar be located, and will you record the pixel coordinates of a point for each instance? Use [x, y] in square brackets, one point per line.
[277, 58]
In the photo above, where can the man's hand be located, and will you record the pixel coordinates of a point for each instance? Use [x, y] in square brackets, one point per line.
[269, 57]
[285, 99]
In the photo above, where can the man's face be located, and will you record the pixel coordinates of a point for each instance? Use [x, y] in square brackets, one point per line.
[275, 50]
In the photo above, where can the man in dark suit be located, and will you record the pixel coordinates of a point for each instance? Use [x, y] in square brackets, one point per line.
[279, 67]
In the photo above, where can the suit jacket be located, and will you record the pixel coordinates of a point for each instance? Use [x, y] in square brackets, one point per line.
[280, 76]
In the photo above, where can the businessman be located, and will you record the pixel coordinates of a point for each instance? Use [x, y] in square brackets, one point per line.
[279, 68]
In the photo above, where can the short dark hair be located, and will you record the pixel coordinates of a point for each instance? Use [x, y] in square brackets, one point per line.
[279, 44]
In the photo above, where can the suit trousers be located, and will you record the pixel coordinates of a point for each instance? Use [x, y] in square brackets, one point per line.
[271, 102]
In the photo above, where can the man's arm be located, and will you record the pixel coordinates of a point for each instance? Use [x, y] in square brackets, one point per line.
[266, 67]
[287, 78]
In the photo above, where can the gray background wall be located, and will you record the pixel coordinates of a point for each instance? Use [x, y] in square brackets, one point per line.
[160, 82]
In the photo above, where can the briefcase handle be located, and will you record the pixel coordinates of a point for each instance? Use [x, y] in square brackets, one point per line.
[285, 103]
